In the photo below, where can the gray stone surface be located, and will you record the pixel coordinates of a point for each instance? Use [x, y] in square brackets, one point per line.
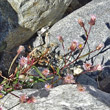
[69, 29]
[11, 33]
[86, 80]
[105, 84]
[65, 97]
[20, 19]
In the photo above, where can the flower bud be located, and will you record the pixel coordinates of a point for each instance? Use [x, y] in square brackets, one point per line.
[92, 20]
[60, 38]
[81, 23]
[73, 46]
[20, 49]
[99, 46]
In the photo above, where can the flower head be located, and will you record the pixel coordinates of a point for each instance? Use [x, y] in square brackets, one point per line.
[45, 72]
[1, 107]
[20, 49]
[87, 66]
[23, 98]
[80, 22]
[1, 87]
[81, 88]
[31, 99]
[48, 87]
[1, 95]
[17, 86]
[73, 45]
[98, 67]
[69, 79]
[100, 46]
[60, 38]
[92, 20]
[80, 46]
[23, 61]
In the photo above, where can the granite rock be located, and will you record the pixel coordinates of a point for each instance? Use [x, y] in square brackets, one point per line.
[65, 97]
[70, 30]
[19, 20]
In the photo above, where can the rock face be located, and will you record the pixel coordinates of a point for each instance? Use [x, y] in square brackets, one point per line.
[20, 19]
[65, 97]
[69, 29]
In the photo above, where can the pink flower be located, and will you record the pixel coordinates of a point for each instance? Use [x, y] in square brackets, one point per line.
[31, 100]
[23, 61]
[81, 88]
[80, 46]
[20, 49]
[73, 45]
[60, 38]
[23, 98]
[17, 86]
[45, 72]
[87, 66]
[69, 79]
[48, 87]
[100, 46]
[80, 22]
[98, 67]
[1, 95]
[92, 20]
[1, 108]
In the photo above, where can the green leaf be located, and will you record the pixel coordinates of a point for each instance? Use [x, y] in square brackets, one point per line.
[37, 70]
[58, 70]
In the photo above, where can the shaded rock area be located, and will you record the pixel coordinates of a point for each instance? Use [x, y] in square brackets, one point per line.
[19, 20]
[75, 4]
[105, 84]
[65, 97]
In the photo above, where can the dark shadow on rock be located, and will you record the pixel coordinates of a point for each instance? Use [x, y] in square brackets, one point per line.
[102, 97]
[83, 2]
[108, 25]
[104, 49]
[83, 37]
[106, 70]
[41, 93]
[73, 7]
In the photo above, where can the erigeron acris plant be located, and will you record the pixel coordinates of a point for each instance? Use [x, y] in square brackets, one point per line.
[21, 78]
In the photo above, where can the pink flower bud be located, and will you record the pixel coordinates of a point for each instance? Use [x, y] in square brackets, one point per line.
[99, 46]
[20, 49]
[60, 38]
[31, 99]
[45, 72]
[80, 22]
[92, 20]
[73, 45]
[99, 67]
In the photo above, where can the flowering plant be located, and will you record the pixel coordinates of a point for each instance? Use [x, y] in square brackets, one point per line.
[22, 77]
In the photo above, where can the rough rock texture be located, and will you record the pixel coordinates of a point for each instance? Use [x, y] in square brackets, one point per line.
[69, 29]
[11, 33]
[86, 80]
[20, 19]
[65, 97]
[105, 84]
